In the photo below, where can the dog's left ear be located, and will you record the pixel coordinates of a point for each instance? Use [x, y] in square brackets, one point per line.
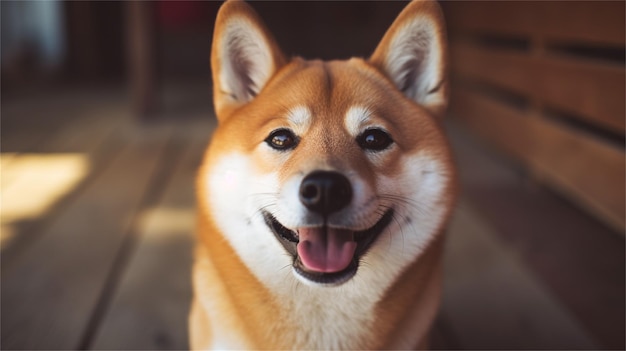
[413, 54]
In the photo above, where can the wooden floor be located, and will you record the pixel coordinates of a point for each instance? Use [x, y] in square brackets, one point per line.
[98, 220]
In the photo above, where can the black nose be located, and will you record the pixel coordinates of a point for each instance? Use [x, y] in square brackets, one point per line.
[325, 192]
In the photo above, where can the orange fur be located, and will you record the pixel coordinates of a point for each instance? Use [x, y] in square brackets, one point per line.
[226, 292]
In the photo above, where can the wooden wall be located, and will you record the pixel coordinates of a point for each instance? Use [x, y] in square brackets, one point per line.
[545, 83]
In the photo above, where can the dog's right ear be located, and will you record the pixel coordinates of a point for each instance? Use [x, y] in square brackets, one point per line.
[413, 55]
[244, 56]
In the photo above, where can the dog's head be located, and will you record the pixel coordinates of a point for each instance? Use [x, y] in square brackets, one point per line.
[324, 166]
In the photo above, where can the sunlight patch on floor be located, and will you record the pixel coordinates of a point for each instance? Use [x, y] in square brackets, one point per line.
[164, 222]
[30, 184]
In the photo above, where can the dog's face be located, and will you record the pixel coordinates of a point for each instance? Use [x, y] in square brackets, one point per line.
[336, 170]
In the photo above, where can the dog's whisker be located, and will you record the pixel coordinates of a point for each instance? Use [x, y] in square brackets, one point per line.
[400, 227]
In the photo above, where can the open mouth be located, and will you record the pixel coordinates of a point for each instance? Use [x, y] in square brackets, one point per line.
[327, 255]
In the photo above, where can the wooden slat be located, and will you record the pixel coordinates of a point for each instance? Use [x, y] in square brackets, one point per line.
[84, 140]
[83, 137]
[492, 302]
[51, 289]
[59, 123]
[507, 69]
[155, 292]
[18, 136]
[502, 125]
[586, 22]
[141, 45]
[590, 171]
[597, 22]
[592, 91]
[550, 236]
[505, 18]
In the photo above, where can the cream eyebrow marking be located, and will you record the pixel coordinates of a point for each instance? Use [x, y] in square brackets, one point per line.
[300, 119]
[355, 118]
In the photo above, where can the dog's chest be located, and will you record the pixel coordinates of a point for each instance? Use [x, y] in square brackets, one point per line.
[318, 320]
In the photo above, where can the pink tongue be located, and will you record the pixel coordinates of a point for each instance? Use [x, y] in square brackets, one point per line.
[326, 250]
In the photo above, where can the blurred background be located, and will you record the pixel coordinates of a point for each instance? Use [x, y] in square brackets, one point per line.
[106, 109]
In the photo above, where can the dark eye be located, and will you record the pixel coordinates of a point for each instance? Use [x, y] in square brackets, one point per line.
[282, 139]
[374, 139]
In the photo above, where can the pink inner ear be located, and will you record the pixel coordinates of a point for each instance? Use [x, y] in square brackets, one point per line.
[246, 61]
[414, 59]
[413, 55]
[326, 250]
[244, 56]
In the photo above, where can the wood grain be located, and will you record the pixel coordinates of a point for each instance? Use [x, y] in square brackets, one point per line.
[589, 90]
[592, 22]
[589, 170]
[586, 169]
[53, 286]
[505, 126]
[159, 273]
[492, 302]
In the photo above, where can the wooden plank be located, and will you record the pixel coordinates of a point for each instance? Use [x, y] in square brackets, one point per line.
[491, 301]
[58, 123]
[550, 236]
[49, 292]
[506, 127]
[586, 22]
[498, 17]
[53, 168]
[591, 172]
[504, 68]
[589, 90]
[83, 137]
[141, 32]
[83, 54]
[18, 136]
[594, 22]
[155, 291]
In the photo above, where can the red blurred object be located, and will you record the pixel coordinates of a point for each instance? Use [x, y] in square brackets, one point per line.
[182, 13]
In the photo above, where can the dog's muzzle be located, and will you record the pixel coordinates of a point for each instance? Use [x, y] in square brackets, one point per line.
[326, 254]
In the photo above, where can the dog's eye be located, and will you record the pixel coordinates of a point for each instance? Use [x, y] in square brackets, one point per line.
[282, 139]
[374, 139]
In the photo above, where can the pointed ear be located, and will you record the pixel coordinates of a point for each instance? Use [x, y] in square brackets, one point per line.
[244, 56]
[413, 54]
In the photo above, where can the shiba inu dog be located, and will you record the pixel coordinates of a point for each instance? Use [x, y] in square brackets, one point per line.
[325, 191]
